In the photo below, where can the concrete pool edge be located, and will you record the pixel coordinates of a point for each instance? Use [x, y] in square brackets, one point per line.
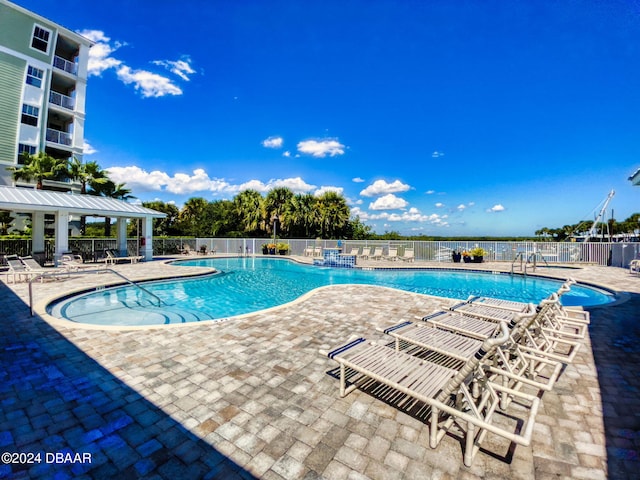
[40, 307]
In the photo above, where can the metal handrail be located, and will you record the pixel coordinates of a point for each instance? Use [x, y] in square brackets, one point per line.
[535, 257]
[83, 272]
[521, 256]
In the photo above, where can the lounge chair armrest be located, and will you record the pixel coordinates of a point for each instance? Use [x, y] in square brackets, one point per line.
[394, 327]
[352, 342]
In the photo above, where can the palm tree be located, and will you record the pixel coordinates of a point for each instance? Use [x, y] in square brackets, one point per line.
[303, 215]
[166, 225]
[193, 215]
[110, 189]
[249, 207]
[276, 204]
[5, 221]
[86, 174]
[40, 167]
[334, 214]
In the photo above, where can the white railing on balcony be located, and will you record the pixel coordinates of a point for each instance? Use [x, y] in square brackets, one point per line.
[62, 100]
[56, 136]
[65, 65]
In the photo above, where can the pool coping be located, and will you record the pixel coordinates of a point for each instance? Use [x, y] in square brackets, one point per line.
[40, 308]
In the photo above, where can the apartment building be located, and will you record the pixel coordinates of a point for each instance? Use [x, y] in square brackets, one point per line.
[43, 81]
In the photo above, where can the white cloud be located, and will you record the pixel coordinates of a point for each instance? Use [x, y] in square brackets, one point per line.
[437, 154]
[286, 154]
[327, 188]
[296, 185]
[461, 207]
[148, 83]
[412, 215]
[388, 202]
[139, 179]
[273, 142]
[381, 187]
[100, 58]
[87, 149]
[430, 192]
[357, 180]
[182, 68]
[439, 205]
[496, 208]
[199, 181]
[321, 149]
[180, 184]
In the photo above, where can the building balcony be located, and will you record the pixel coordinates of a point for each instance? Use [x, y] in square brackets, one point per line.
[61, 100]
[65, 65]
[61, 138]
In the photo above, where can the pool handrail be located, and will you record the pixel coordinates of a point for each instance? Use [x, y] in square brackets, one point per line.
[84, 272]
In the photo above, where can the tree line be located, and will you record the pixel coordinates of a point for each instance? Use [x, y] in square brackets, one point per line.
[248, 214]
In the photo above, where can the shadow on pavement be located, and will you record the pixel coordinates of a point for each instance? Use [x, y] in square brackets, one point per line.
[56, 400]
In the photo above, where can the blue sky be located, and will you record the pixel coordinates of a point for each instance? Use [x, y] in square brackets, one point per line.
[430, 117]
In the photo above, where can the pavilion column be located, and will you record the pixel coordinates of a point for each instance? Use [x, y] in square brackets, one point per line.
[146, 238]
[62, 234]
[37, 232]
[121, 228]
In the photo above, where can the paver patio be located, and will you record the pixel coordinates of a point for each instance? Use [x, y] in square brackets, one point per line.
[251, 397]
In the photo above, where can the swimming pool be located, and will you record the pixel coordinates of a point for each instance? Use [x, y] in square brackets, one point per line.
[248, 284]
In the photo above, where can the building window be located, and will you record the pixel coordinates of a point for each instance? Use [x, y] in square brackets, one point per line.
[40, 40]
[22, 149]
[30, 115]
[34, 76]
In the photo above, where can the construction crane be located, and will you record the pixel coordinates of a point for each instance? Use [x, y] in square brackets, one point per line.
[593, 230]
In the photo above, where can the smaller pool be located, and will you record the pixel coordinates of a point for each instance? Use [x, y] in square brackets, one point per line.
[248, 285]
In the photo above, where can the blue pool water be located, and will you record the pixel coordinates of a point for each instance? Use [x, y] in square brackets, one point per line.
[250, 284]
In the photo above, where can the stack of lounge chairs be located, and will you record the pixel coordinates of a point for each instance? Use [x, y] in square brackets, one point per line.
[26, 268]
[481, 357]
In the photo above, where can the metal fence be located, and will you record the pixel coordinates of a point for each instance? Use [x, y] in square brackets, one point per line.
[605, 253]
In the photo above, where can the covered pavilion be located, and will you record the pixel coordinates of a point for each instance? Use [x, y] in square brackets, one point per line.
[38, 203]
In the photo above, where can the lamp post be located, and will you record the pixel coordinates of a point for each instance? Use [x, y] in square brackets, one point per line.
[275, 219]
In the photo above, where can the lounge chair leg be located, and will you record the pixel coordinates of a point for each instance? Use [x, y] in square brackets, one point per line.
[469, 444]
[433, 433]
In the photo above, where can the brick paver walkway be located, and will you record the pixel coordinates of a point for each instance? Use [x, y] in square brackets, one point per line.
[251, 397]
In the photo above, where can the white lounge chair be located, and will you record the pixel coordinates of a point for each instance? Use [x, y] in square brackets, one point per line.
[36, 269]
[366, 253]
[17, 270]
[408, 255]
[576, 314]
[112, 258]
[554, 322]
[73, 263]
[634, 267]
[392, 255]
[513, 365]
[449, 392]
[377, 253]
[535, 338]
